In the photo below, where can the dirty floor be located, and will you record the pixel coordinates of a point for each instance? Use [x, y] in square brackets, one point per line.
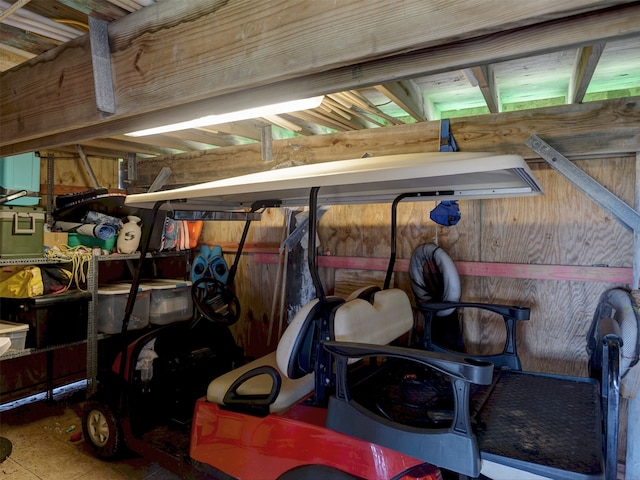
[45, 448]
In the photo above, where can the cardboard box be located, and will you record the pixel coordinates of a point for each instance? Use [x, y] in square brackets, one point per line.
[55, 239]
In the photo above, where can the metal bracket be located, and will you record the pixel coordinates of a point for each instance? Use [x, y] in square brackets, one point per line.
[294, 237]
[101, 62]
[447, 142]
[132, 167]
[623, 213]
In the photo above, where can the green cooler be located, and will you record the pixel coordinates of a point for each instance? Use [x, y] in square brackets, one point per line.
[21, 231]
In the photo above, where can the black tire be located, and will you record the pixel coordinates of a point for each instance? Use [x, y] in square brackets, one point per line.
[102, 430]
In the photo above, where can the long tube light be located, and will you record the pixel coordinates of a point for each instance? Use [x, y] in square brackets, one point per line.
[266, 110]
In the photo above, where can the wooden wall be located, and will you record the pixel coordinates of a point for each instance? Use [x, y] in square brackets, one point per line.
[70, 175]
[561, 228]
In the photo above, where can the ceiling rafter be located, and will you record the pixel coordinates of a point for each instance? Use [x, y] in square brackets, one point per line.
[403, 87]
[485, 77]
[584, 67]
[407, 95]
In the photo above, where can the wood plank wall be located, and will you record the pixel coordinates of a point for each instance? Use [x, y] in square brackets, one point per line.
[562, 227]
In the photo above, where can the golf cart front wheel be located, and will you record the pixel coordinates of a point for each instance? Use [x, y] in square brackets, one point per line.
[102, 430]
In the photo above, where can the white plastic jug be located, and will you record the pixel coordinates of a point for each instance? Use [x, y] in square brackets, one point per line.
[129, 236]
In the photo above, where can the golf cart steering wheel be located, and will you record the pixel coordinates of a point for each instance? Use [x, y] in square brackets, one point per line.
[215, 301]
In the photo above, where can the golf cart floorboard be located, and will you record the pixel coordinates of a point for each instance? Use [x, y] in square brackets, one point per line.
[530, 417]
[172, 440]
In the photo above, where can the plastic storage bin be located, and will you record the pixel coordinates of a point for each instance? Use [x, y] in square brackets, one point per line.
[17, 332]
[21, 231]
[112, 300]
[54, 319]
[75, 239]
[170, 300]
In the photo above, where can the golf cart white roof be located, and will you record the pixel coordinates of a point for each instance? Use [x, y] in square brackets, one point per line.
[439, 175]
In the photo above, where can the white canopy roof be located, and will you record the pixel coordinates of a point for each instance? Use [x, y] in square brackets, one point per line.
[450, 175]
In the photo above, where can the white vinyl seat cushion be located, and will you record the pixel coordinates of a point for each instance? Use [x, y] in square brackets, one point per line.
[387, 318]
[291, 390]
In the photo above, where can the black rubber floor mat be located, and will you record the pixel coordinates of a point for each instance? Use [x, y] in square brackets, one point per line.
[543, 420]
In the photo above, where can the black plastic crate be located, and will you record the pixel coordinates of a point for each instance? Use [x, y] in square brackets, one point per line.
[53, 319]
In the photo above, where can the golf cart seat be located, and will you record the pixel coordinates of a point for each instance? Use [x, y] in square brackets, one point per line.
[547, 426]
[280, 379]
[437, 289]
[277, 380]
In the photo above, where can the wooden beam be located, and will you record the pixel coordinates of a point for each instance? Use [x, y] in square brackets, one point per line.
[407, 96]
[575, 273]
[283, 123]
[367, 121]
[13, 8]
[125, 144]
[203, 136]
[152, 85]
[486, 81]
[104, 10]
[167, 142]
[585, 65]
[65, 189]
[575, 130]
[431, 109]
[245, 128]
[311, 116]
[360, 101]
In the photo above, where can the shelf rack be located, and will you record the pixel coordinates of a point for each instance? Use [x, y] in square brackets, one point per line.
[92, 286]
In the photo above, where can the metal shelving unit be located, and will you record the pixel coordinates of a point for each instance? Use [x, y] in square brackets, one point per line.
[92, 286]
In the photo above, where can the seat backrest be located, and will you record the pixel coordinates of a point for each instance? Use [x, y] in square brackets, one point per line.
[295, 348]
[380, 322]
[615, 304]
[434, 277]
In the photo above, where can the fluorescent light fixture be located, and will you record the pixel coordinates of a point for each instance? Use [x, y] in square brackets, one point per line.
[275, 109]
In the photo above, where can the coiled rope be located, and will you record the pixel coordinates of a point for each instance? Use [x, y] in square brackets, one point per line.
[79, 257]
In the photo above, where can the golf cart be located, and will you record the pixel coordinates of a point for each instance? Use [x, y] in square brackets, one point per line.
[280, 416]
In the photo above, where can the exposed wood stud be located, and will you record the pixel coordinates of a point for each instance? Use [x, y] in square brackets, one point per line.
[585, 65]
[431, 109]
[267, 143]
[160, 180]
[13, 8]
[407, 96]
[283, 123]
[486, 81]
[87, 167]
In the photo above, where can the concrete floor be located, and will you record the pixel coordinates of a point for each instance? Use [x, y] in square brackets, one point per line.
[43, 449]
